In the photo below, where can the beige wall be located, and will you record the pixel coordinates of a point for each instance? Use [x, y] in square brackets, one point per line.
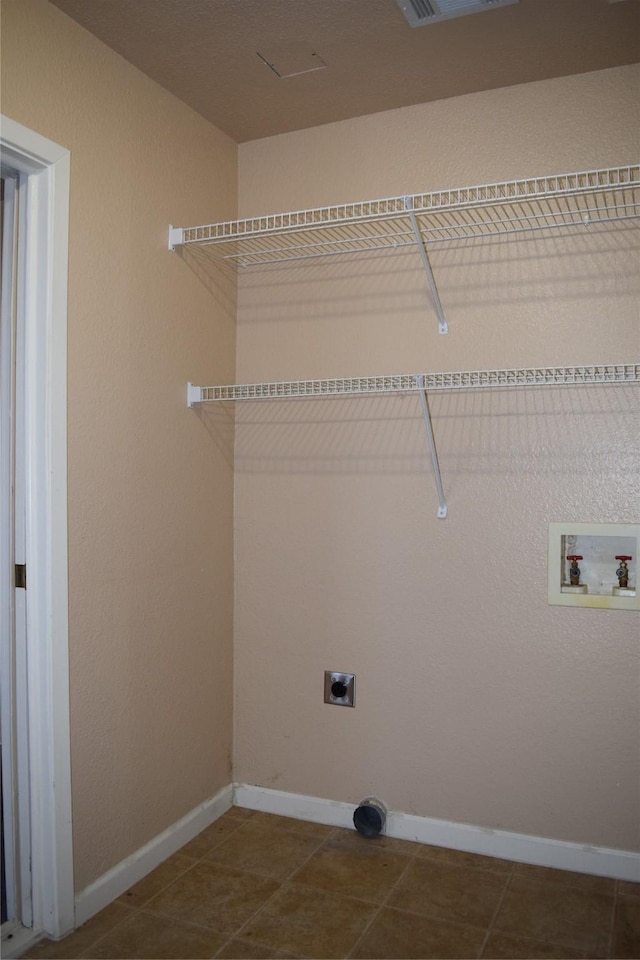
[150, 483]
[476, 700]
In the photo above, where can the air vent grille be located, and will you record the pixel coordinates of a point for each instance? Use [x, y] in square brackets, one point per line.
[420, 10]
[419, 13]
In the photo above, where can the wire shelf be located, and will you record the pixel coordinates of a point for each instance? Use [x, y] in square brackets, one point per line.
[445, 216]
[410, 383]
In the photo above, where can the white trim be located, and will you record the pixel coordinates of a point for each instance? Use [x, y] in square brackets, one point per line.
[120, 878]
[47, 166]
[16, 940]
[7, 593]
[541, 851]
[20, 676]
[334, 813]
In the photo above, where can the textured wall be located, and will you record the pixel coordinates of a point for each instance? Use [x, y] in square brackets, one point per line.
[476, 700]
[150, 484]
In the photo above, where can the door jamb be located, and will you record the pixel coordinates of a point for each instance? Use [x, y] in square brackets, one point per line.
[47, 169]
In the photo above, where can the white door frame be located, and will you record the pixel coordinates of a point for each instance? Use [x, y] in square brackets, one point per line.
[46, 168]
[9, 482]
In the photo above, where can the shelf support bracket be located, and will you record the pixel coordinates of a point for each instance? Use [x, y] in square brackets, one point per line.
[435, 296]
[442, 509]
[194, 394]
[176, 237]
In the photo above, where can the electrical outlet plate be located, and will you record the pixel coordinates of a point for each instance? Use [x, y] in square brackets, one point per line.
[340, 688]
[597, 544]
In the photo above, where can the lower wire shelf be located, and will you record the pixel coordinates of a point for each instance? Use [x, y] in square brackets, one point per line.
[413, 382]
[421, 383]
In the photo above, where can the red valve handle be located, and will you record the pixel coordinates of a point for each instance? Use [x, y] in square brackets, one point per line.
[575, 556]
[623, 557]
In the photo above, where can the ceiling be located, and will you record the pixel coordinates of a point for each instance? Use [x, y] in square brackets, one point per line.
[214, 54]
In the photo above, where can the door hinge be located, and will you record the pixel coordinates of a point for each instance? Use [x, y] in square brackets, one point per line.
[21, 576]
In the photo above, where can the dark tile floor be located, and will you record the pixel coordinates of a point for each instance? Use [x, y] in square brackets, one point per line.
[254, 885]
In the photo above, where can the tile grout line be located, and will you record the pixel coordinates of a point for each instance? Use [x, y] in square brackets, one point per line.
[571, 886]
[137, 908]
[614, 913]
[494, 916]
[382, 905]
[178, 876]
[457, 923]
[241, 825]
[196, 860]
[367, 927]
[149, 911]
[226, 944]
[186, 923]
[291, 879]
[287, 879]
[119, 923]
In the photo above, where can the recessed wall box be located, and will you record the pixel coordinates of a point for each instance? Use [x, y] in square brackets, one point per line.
[594, 565]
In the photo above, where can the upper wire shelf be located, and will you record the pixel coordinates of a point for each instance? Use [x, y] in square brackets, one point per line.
[466, 213]
[410, 383]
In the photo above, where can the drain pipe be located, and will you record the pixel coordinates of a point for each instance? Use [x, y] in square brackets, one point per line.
[370, 817]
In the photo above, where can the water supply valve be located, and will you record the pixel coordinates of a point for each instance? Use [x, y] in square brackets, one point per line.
[574, 569]
[622, 573]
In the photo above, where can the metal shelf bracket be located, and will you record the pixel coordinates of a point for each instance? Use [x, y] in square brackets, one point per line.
[176, 237]
[442, 508]
[435, 296]
[194, 394]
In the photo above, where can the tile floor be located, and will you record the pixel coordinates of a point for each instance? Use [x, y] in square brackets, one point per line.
[255, 885]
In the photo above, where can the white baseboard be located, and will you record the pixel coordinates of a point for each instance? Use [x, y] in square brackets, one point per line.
[116, 881]
[541, 851]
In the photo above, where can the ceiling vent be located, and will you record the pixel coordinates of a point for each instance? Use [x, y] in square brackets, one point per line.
[419, 13]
